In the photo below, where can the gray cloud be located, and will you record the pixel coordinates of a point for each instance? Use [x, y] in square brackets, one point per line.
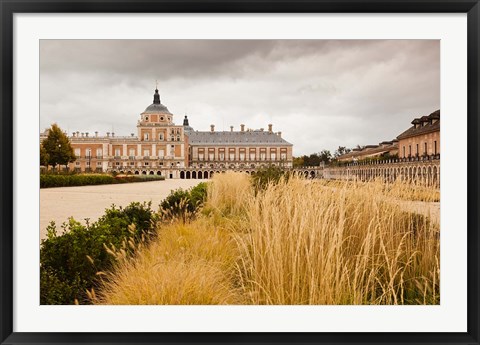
[319, 93]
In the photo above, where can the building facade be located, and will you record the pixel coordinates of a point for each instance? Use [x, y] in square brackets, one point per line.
[413, 156]
[162, 147]
[383, 149]
[422, 139]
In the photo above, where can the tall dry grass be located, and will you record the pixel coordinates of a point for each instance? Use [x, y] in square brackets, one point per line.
[187, 264]
[309, 244]
[296, 242]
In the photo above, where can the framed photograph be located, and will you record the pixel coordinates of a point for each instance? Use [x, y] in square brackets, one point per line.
[241, 172]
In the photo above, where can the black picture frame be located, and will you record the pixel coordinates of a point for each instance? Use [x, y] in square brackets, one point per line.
[10, 7]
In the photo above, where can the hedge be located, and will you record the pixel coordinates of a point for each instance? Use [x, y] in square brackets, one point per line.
[52, 180]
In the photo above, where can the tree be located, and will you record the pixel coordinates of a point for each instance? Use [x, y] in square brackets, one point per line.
[57, 147]
[341, 151]
[298, 162]
[325, 156]
[43, 156]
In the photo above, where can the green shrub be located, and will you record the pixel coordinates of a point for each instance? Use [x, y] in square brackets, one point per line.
[51, 180]
[184, 203]
[272, 174]
[69, 262]
[68, 180]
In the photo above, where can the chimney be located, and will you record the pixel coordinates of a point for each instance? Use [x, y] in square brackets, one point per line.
[96, 134]
[270, 127]
[113, 134]
[279, 134]
[212, 128]
[77, 133]
[86, 134]
[231, 128]
[73, 134]
[83, 134]
[242, 127]
[132, 134]
[108, 134]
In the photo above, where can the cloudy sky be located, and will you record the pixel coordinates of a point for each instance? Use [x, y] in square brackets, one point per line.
[320, 94]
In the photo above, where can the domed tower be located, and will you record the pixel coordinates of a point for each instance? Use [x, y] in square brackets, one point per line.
[161, 141]
[156, 112]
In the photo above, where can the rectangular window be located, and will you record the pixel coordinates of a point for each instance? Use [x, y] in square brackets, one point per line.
[160, 136]
[145, 136]
[131, 153]
[77, 163]
[221, 156]
[77, 152]
[99, 164]
[99, 153]
[232, 156]
[425, 149]
[117, 152]
[283, 156]
[409, 150]
[403, 151]
[242, 156]
[273, 156]
[146, 153]
[262, 156]
[161, 153]
[252, 156]
[435, 147]
[417, 150]
[200, 156]
[211, 156]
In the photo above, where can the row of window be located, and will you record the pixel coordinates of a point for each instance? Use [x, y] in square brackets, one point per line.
[99, 164]
[88, 152]
[146, 118]
[161, 137]
[417, 151]
[242, 156]
[131, 152]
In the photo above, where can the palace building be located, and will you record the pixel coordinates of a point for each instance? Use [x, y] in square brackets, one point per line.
[422, 139]
[162, 147]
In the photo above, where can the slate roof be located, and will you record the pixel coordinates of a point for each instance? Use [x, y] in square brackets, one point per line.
[375, 149]
[237, 138]
[427, 128]
[156, 109]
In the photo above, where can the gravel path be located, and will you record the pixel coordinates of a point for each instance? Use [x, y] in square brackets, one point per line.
[59, 204]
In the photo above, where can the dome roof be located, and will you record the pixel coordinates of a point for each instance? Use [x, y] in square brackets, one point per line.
[156, 107]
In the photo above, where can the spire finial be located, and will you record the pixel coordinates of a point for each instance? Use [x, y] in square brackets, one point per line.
[156, 96]
[156, 84]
